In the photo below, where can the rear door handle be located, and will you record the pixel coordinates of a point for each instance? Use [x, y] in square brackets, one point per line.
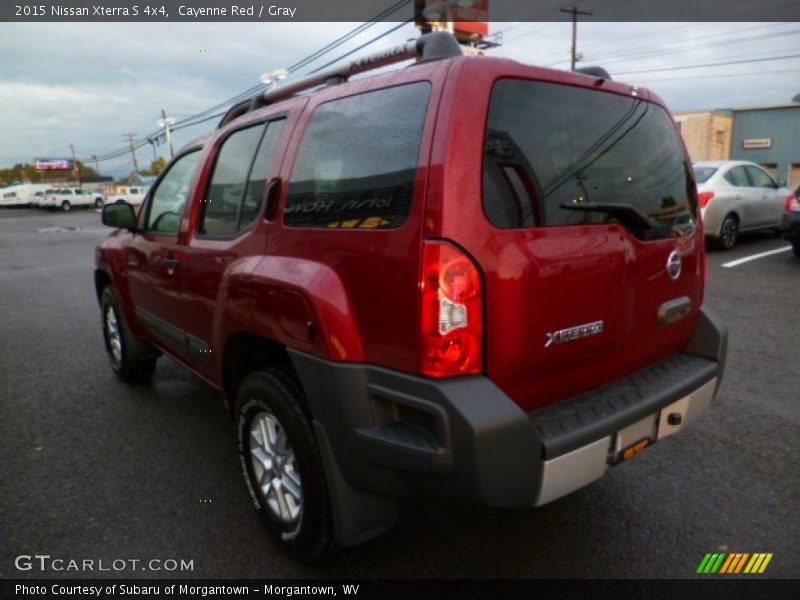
[271, 194]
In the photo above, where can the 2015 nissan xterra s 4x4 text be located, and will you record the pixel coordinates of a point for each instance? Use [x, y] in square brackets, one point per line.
[468, 277]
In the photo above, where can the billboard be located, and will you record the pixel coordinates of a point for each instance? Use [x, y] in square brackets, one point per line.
[53, 164]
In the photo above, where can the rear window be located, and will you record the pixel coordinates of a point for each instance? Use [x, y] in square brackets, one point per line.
[703, 174]
[551, 146]
[358, 161]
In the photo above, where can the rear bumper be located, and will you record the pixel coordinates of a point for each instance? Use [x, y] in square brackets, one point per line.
[392, 434]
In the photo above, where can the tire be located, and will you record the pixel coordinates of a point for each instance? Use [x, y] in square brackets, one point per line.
[728, 232]
[120, 342]
[98, 203]
[796, 248]
[66, 206]
[290, 494]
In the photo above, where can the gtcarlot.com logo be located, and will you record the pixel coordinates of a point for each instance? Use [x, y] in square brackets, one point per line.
[45, 562]
[734, 563]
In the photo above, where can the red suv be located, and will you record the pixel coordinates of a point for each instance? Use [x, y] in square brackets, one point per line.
[468, 277]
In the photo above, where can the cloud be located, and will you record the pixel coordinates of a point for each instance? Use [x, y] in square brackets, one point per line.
[90, 83]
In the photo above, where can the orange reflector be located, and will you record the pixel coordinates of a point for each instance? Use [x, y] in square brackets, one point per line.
[632, 451]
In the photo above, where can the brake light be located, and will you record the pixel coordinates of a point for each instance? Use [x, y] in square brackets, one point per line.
[452, 312]
[792, 203]
[704, 198]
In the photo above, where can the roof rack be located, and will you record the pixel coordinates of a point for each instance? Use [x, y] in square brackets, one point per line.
[429, 47]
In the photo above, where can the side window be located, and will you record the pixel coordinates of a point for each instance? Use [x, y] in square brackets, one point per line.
[737, 177]
[759, 178]
[169, 198]
[260, 172]
[233, 198]
[357, 163]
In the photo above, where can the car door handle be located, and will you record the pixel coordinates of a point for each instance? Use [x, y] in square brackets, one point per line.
[271, 194]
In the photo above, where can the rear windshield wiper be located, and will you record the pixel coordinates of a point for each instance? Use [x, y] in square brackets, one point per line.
[628, 215]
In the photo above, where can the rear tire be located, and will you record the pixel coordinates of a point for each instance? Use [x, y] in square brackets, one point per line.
[728, 232]
[282, 465]
[120, 342]
[98, 203]
[796, 248]
[66, 206]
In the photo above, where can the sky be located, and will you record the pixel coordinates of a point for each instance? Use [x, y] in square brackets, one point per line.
[90, 84]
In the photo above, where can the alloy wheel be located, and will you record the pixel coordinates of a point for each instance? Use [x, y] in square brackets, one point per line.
[275, 467]
[113, 335]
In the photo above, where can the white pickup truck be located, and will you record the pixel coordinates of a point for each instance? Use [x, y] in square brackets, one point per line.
[134, 196]
[68, 198]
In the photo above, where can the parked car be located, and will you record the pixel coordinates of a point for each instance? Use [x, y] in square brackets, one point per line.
[398, 292]
[67, 198]
[133, 196]
[790, 222]
[737, 196]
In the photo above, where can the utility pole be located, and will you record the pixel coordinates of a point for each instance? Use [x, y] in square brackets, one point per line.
[152, 142]
[165, 123]
[96, 163]
[76, 165]
[133, 152]
[575, 12]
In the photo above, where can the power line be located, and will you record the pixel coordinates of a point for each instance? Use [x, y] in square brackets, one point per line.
[364, 45]
[203, 116]
[719, 64]
[719, 76]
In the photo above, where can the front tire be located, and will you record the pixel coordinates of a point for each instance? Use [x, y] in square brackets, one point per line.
[98, 203]
[796, 248]
[120, 342]
[282, 465]
[728, 232]
[66, 206]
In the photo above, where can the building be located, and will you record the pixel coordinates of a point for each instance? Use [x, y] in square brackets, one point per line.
[707, 134]
[133, 180]
[767, 135]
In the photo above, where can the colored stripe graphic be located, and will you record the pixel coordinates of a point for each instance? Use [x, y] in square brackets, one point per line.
[734, 563]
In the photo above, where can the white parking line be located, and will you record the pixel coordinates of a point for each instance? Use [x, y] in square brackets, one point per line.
[735, 263]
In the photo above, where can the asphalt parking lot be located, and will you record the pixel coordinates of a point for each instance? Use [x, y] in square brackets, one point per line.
[95, 469]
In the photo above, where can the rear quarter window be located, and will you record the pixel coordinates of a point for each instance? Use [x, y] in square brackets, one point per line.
[703, 174]
[357, 162]
[549, 145]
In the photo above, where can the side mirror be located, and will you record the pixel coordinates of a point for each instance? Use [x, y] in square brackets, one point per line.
[119, 215]
[781, 183]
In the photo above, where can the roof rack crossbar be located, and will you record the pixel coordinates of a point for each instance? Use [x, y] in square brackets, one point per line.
[428, 47]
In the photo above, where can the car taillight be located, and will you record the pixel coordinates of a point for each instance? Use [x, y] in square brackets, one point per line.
[792, 203]
[452, 312]
[704, 198]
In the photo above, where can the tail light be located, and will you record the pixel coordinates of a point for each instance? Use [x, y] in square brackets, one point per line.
[792, 203]
[704, 198]
[452, 312]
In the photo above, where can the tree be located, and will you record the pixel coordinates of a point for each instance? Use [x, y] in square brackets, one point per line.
[796, 99]
[156, 166]
[28, 173]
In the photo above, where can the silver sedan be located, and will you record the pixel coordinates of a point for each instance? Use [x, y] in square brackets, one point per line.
[737, 195]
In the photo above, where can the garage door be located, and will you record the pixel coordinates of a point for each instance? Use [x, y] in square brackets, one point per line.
[794, 176]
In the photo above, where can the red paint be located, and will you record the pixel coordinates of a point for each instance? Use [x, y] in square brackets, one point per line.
[361, 290]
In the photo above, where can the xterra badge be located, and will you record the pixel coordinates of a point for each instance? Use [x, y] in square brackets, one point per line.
[573, 333]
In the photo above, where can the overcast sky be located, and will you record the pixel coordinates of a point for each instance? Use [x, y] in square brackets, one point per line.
[90, 84]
